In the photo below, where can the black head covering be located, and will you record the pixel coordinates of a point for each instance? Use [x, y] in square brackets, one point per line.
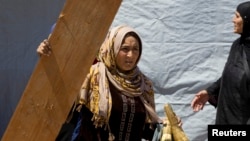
[244, 10]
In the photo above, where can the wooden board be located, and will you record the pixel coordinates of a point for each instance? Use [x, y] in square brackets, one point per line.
[55, 82]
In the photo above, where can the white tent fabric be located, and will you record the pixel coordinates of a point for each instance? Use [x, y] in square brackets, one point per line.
[185, 46]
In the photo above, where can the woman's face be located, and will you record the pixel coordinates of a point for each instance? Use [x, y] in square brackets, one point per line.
[128, 54]
[238, 23]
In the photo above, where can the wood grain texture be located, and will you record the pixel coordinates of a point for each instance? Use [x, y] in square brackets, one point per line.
[55, 82]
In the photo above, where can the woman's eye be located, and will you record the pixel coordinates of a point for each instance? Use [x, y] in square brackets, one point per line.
[124, 49]
[136, 48]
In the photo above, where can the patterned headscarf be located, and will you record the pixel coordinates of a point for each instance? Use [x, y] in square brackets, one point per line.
[95, 92]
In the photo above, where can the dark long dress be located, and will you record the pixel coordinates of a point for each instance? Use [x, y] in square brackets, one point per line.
[127, 121]
[231, 93]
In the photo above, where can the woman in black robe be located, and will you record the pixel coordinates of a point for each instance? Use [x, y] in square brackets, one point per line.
[230, 94]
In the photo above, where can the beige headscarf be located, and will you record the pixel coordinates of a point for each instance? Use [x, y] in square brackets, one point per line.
[95, 93]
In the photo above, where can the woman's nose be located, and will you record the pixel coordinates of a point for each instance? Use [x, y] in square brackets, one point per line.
[130, 53]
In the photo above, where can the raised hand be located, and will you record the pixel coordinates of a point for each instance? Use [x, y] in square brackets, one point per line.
[44, 48]
[199, 100]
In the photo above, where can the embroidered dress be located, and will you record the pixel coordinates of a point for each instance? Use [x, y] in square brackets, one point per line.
[127, 121]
